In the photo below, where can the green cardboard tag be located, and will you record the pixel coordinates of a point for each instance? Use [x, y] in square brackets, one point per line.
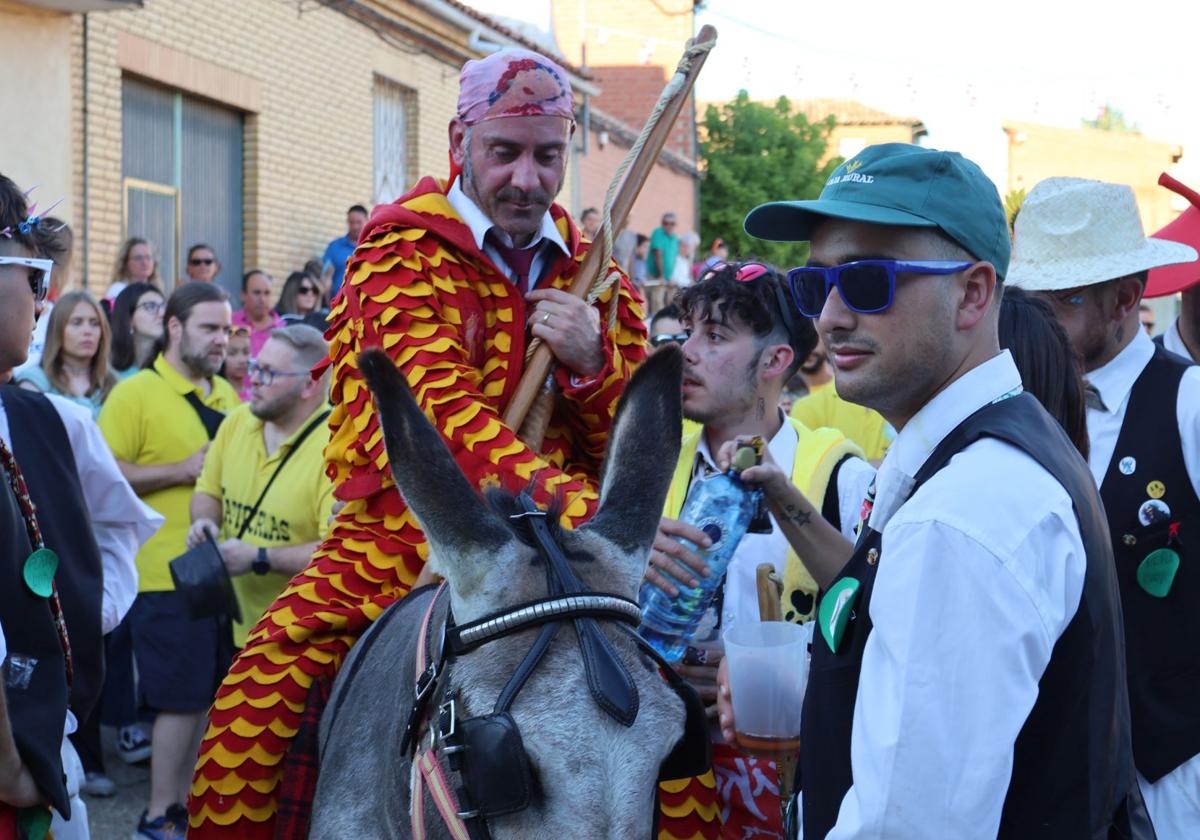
[34, 822]
[1156, 572]
[836, 607]
[39, 572]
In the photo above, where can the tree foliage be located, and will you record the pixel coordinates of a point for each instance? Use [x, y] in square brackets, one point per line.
[1111, 119]
[752, 153]
[1012, 205]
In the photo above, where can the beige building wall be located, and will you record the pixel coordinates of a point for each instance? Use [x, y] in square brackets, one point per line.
[36, 140]
[848, 140]
[1036, 152]
[623, 32]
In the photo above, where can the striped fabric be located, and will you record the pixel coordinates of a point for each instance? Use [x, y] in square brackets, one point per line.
[418, 287]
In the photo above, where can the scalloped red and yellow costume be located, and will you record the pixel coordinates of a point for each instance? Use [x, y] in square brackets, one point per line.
[418, 286]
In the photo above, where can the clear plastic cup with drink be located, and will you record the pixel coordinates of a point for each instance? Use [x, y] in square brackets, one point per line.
[768, 671]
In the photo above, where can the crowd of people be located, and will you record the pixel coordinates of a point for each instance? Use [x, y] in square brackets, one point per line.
[982, 474]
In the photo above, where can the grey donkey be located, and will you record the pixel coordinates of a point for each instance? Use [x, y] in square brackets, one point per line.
[592, 776]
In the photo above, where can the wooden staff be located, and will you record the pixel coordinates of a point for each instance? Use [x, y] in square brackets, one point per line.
[770, 608]
[535, 382]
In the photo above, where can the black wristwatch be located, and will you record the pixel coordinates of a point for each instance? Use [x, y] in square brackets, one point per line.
[261, 564]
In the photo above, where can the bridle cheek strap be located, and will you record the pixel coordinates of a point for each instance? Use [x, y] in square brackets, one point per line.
[426, 770]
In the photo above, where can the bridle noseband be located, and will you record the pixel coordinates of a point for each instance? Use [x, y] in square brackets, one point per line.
[487, 751]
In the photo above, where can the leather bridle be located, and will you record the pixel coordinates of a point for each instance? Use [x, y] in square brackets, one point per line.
[486, 751]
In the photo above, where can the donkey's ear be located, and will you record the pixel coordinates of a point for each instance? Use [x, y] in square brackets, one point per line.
[463, 533]
[642, 449]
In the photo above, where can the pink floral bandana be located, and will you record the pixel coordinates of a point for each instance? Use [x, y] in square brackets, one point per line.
[513, 83]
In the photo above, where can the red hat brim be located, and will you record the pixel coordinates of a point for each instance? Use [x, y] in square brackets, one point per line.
[1186, 229]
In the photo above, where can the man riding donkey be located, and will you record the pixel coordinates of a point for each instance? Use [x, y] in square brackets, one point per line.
[453, 280]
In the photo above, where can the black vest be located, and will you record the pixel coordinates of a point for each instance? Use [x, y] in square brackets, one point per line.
[1152, 505]
[35, 675]
[42, 448]
[1072, 761]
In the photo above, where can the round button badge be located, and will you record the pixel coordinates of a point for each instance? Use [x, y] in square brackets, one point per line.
[1127, 465]
[1156, 489]
[1153, 512]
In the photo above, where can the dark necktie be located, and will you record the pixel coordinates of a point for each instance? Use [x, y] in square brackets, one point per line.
[1091, 396]
[519, 261]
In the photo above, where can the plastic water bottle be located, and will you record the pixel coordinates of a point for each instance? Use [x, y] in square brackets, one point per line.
[722, 507]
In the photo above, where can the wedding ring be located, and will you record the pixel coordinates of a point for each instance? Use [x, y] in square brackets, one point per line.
[546, 318]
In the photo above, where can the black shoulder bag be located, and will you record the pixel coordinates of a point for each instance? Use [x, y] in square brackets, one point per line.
[200, 575]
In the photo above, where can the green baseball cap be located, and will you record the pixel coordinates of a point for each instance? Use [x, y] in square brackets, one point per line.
[900, 184]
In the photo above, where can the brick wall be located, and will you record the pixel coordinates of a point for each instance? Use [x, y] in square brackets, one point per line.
[307, 138]
[666, 189]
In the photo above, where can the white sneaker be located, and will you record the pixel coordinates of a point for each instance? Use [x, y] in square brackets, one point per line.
[97, 784]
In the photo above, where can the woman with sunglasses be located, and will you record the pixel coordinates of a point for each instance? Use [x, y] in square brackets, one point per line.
[202, 264]
[136, 263]
[136, 325]
[302, 301]
[75, 360]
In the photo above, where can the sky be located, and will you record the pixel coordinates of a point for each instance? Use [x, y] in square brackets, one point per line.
[963, 67]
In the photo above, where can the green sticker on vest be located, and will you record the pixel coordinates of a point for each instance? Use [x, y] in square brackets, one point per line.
[1156, 572]
[836, 607]
[39, 572]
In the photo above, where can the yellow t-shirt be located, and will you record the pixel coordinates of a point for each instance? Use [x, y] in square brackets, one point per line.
[148, 420]
[823, 407]
[295, 510]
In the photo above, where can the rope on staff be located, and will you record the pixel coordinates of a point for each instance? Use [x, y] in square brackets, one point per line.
[607, 279]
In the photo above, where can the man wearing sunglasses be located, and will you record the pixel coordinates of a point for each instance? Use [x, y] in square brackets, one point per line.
[967, 675]
[741, 344]
[1080, 244]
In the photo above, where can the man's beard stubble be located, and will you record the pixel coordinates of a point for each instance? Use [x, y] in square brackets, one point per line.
[200, 364]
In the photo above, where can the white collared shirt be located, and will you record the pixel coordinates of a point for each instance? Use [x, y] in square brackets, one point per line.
[120, 521]
[1173, 341]
[740, 601]
[980, 572]
[1114, 381]
[480, 225]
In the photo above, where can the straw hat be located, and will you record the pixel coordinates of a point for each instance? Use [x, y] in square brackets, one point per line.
[1185, 229]
[1072, 232]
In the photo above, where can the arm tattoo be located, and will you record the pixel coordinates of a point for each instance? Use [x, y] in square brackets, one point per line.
[792, 513]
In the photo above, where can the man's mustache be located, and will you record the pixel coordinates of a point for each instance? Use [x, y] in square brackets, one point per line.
[522, 196]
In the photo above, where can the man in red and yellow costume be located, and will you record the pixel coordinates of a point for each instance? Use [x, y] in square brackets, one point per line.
[439, 281]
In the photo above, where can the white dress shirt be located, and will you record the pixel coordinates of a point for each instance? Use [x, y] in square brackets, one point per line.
[120, 521]
[1173, 341]
[1174, 800]
[979, 574]
[480, 225]
[740, 602]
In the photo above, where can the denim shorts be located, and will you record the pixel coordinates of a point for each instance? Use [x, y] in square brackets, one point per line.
[180, 660]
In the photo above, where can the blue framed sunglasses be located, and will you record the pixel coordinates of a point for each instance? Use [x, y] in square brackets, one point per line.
[866, 286]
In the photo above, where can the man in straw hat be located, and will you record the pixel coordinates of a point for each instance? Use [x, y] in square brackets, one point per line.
[1080, 244]
[453, 279]
[967, 675]
[1183, 336]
